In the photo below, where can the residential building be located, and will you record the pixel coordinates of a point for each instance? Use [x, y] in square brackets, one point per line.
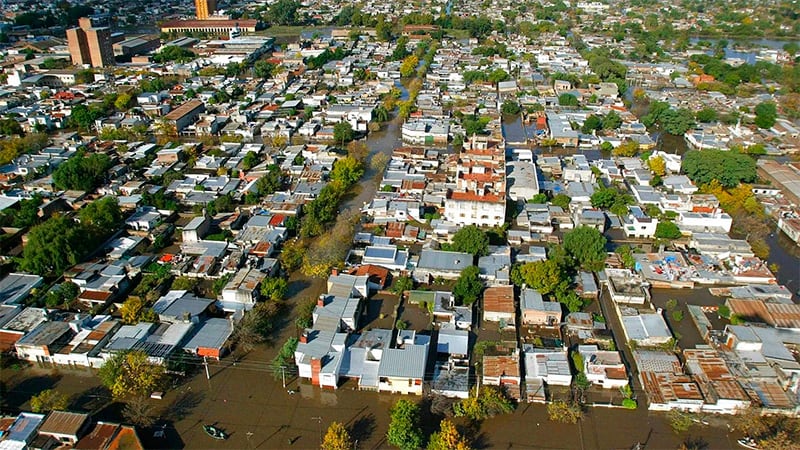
[638, 224]
[436, 263]
[243, 290]
[89, 45]
[499, 305]
[603, 367]
[545, 367]
[185, 114]
[65, 427]
[646, 329]
[479, 196]
[44, 341]
[503, 370]
[536, 311]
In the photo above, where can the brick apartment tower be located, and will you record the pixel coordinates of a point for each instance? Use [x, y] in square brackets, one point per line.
[205, 8]
[90, 45]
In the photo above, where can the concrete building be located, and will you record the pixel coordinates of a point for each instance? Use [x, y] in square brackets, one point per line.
[90, 45]
[204, 8]
[216, 27]
[136, 46]
[185, 115]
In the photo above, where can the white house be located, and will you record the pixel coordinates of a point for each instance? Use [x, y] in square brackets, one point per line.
[638, 224]
[602, 367]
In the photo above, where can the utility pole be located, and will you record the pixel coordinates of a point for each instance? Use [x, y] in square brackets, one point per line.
[205, 364]
[319, 422]
[283, 376]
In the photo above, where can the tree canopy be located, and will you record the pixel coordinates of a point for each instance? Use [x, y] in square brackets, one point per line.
[766, 113]
[667, 230]
[468, 286]
[587, 246]
[567, 99]
[284, 12]
[348, 170]
[130, 373]
[472, 240]
[544, 276]
[49, 400]
[82, 173]
[404, 429]
[343, 132]
[337, 438]
[174, 53]
[54, 246]
[729, 168]
[447, 438]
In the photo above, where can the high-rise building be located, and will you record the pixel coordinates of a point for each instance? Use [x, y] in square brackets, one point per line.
[90, 45]
[205, 8]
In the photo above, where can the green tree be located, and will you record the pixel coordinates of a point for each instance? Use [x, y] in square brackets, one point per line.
[101, 217]
[490, 401]
[135, 309]
[677, 121]
[54, 246]
[510, 107]
[347, 170]
[468, 286]
[729, 168]
[587, 246]
[284, 12]
[472, 240]
[343, 132]
[274, 289]
[250, 160]
[667, 230]
[49, 400]
[263, 69]
[561, 200]
[130, 373]
[337, 438]
[380, 114]
[612, 121]
[63, 295]
[591, 124]
[706, 115]
[766, 113]
[174, 53]
[560, 411]
[447, 438]
[402, 284]
[567, 99]
[611, 199]
[82, 172]
[123, 102]
[498, 75]
[409, 66]
[10, 126]
[405, 430]
[544, 276]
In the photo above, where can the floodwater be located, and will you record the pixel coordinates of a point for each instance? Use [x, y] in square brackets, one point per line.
[735, 47]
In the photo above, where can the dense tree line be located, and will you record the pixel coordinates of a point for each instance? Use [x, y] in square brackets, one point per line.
[82, 172]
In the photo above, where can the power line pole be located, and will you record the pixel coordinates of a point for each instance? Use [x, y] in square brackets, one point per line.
[249, 444]
[319, 422]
